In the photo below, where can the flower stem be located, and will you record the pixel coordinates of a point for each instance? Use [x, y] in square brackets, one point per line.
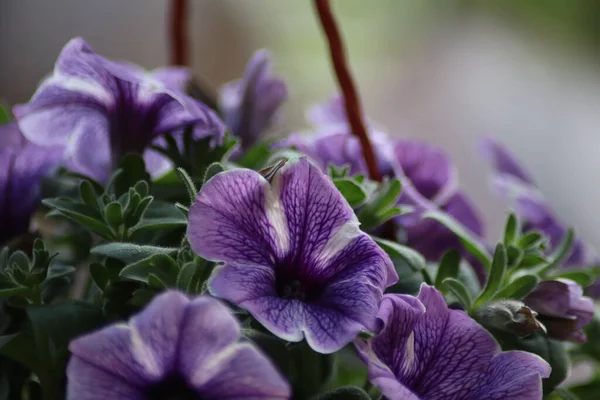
[179, 40]
[351, 99]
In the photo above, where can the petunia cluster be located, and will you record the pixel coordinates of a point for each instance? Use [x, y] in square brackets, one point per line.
[275, 269]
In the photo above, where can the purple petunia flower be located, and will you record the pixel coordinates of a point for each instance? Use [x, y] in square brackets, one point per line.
[293, 253]
[332, 142]
[562, 308]
[429, 179]
[22, 166]
[427, 351]
[100, 110]
[513, 182]
[250, 104]
[175, 348]
[430, 183]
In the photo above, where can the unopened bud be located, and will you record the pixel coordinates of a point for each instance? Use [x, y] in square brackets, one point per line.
[509, 316]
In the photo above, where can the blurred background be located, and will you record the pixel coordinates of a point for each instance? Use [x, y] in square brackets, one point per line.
[445, 72]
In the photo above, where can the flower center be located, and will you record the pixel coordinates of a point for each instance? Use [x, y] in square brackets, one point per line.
[289, 286]
[172, 387]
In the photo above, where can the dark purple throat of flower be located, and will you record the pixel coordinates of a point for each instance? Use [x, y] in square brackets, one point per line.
[172, 387]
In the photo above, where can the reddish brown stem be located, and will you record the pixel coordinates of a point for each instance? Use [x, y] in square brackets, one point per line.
[179, 40]
[351, 99]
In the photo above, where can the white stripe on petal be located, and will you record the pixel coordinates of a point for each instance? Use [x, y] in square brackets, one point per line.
[143, 354]
[409, 354]
[345, 234]
[276, 215]
[211, 367]
[80, 86]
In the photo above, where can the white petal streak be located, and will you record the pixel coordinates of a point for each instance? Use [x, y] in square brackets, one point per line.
[81, 86]
[211, 367]
[276, 216]
[345, 234]
[143, 354]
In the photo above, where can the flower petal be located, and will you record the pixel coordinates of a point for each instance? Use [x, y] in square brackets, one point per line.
[174, 78]
[428, 168]
[207, 330]
[250, 104]
[87, 382]
[502, 160]
[88, 151]
[240, 372]
[141, 352]
[514, 375]
[446, 354]
[58, 108]
[238, 218]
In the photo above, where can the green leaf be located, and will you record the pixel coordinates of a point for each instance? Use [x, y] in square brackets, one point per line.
[129, 253]
[310, 370]
[87, 194]
[393, 212]
[20, 347]
[188, 183]
[256, 157]
[156, 283]
[459, 290]
[133, 170]
[531, 239]
[160, 215]
[471, 244]
[163, 267]
[495, 277]
[514, 255]
[212, 170]
[531, 261]
[345, 393]
[413, 258]
[54, 326]
[518, 288]
[100, 275]
[337, 172]
[511, 230]
[82, 214]
[4, 115]
[560, 254]
[448, 267]
[185, 276]
[583, 278]
[352, 191]
[113, 215]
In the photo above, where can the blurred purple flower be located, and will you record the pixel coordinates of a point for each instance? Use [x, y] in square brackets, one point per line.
[293, 253]
[100, 110]
[429, 179]
[562, 308]
[332, 142]
[430, 183]
[22, 166]
[427, 351]
[513, 182]
[175, 348]
[251, 104]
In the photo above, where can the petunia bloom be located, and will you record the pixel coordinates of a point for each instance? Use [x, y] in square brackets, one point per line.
[562, 308]
[22, 166]
[251, 104]
[293, 253]
[513, 182]
[430, 183]
[332, 142]
[427, 351]
[175, 348]
[429, 179]
[100, 110]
